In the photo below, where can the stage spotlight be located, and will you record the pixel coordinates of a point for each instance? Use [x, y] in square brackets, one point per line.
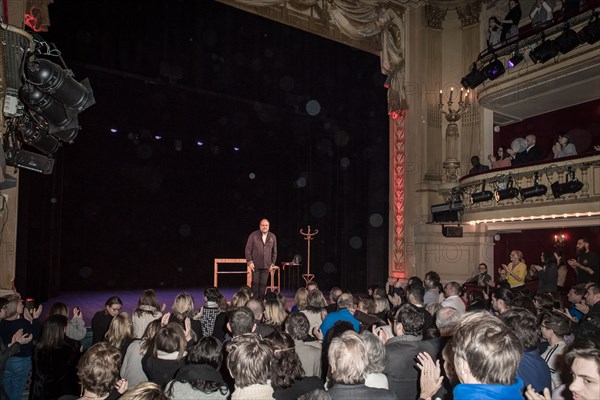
[515, 59]
[567, 40]
[473, 78]
[535, 190]
[508, 193]
[571, 185]
[494, 69]
[543, 52]
[484, 195]
[591, 32]
[36, 136]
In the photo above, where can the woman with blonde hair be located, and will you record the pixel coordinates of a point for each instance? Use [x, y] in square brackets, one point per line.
[315, 309]
[120, 332]
[147, 311]
[144, 391]
[301, 300]
[183, 307]
[274, 314]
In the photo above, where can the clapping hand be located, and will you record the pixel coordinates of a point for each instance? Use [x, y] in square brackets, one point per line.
[431, 379]
[530, 394]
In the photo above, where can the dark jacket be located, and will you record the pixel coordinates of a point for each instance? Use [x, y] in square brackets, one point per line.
[340, 391]
[400, 355]
[55, 371]
[100, 323]
[160, 371]
[263, 255]
[534, 154]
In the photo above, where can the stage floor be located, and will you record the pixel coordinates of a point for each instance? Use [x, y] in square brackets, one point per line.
[92, 302]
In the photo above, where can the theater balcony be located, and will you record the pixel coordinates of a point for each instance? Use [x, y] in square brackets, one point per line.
[567, 188]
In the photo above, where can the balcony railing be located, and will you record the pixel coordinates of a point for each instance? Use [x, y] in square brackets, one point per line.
[585, 201]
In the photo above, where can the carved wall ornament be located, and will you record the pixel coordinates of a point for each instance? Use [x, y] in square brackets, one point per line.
[469, 13]
[435, 16]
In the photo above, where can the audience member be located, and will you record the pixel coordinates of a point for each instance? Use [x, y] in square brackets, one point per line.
[98, 373]
[131, 368]
[210, 310]
[401, 350]
[493, 36]
[55, 359]
[376, 361]
[11, 348]
[587, 264]
[18, 319]
[554, 327]
[307, 348]
[301, 299]
[502, 299]
[183, 309]
[502, 160]
[532, 369]
[145, 391]
[477, 166]
[564, 147]
[147, 311]
[382, 308]
[532, 152]
[348, 361]
[200, 377]
[481, 278]
[312, 285]
[452, 292]
[575, 297]
[76, 329]
[241, 321]
[414, 296]
[249, 362]
[258, 309]
[287, 375]
[101, 320]
[510, 23]
[345, 306]
[334, 293]
[274, 314]
[515, 272]
[547, 273]
[431, 281]
[541, 13]
[486, 357]
[476, 301]
[168, 353]
[315, 309]
[120, 332]
[589, 325]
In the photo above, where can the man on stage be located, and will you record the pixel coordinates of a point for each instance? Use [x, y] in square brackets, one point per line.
[261, 254]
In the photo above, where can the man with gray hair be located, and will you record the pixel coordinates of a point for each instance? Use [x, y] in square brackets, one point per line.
[531, 154]
[452, 292]
[348, 362]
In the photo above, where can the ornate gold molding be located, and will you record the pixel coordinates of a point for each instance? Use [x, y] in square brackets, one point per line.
[435, 16]
[469, 13]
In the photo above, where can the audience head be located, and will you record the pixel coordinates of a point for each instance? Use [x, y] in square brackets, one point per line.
[53, 333]
[14, 306]
[415, 280]
[345, 300]
[3, 305]
[452, 289]
[59, 308]
[543, 302]
[408, 321]
[312, 285]
[183, 305]
[485, 350]
[148, 298]
[241, 321]
[145, 391]
[246, 290]
[475, 159]
[366, 305]
[446, 319]
[315, 301]
[120, 329]
[530, 140]
[316, 394]
[286, 366]
[170, 339]
[375, 350]
[113, 305]
[431, 278]
[257, 307]
[380, 293]
[502, 299]
[211, 294]
[348, 359]
[555, 323]
[249, 360]
[576, 293]
[149, 334]
[592, 295]
[524, 323]
[433, 308]
[297, 325]
[482, 268]
[274, 313]
[524, 301]
[208, 351]
[301, 298]
[415, 294]
[98, 368]
[240, 299]
[382, 305]
[334, 293]
[583, 359]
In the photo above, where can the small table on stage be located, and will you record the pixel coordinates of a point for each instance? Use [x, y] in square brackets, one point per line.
[246, 270]
[291, 275]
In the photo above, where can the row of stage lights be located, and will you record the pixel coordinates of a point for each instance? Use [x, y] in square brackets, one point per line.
[548, 49]
[450, 211]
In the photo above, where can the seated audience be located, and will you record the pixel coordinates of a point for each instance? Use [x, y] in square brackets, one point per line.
[200, 377]
[477, 166]
[145, 391]
[481, 278]
[345, 306]
[502, 160]
[502, 299]
[241, 321]
[287, 374]
[532, 152]
[589, 325]
[348, 362]
[274, 314]
[564, 147]
[182, 310]
[258, 309]
[452, 292]
[575, 297]
[315, 309]
[120, 332]
[147, 311]
[308, 349]
[168, 353]
[102, 319]
[210, 310]
[131, 368]
[486, 357]
[375, 361]
[301, 299]
[76, 329]
[334, 293]
[249, 362]
[55, 361]
[532, 369]
[554, 327]
[583, 360]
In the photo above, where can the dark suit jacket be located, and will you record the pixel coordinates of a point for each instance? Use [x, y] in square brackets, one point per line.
[400, 360]
[263, 255]
[340, 391]
[534, 154]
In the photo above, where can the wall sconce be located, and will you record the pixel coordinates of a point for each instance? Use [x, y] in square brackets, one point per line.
[559, 240]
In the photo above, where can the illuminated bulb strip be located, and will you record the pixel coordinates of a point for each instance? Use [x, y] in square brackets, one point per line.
[536, 217]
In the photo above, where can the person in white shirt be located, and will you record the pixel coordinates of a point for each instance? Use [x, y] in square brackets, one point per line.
[452, 292]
